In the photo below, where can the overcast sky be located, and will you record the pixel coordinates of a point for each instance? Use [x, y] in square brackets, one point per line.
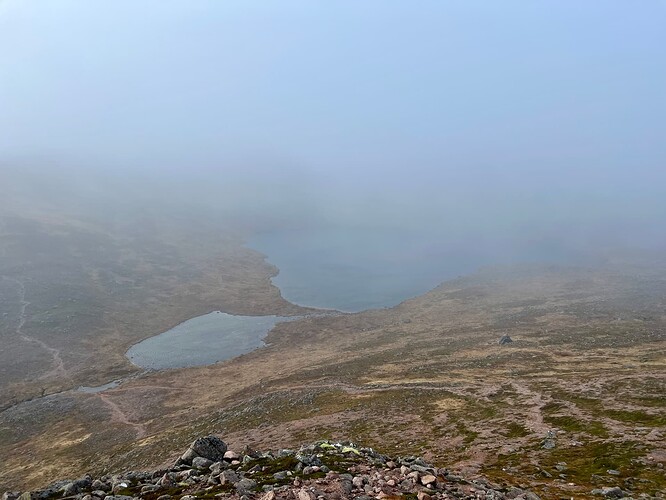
[533, 112]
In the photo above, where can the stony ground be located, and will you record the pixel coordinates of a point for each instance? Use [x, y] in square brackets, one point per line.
[320, 471]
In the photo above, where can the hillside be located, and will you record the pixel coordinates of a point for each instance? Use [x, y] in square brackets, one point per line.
[574, 402]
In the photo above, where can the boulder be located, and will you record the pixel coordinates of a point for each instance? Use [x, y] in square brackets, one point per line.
[209, 447]
[609, 492]
[505, 339]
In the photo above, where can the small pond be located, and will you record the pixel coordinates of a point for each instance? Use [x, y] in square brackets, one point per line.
[203, 340]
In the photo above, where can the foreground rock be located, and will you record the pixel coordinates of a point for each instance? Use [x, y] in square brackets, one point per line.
[319, 471]
[210, 448]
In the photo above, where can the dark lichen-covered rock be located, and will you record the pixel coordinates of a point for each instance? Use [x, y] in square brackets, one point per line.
[208, 447]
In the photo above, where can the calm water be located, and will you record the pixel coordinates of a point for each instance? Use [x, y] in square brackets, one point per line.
[356, 270]
[347, 270]
[203, 340]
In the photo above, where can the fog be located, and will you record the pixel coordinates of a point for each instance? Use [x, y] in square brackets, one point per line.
[501, 124]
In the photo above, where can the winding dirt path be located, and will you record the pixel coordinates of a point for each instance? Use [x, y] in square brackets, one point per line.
[118, 415]
[57, 365]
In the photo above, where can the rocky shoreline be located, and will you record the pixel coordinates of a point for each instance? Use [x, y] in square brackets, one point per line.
[323, 470]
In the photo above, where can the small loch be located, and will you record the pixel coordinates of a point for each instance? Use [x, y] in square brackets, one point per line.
[203, 340]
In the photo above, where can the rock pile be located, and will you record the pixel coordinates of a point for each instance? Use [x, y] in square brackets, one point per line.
[323, 470]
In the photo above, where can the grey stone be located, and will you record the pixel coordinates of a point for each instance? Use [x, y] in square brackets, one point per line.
[514, 492]
[229, 476]
[346, 483]
[84, 482]
[201, 463]
[609, 492]
[358, 481]
[210, 447]
[505, 339]
[99, 485]
[216, 468]
[407, 485]
[548, 444]
[69, 489]
[245, 486]
[167, 480]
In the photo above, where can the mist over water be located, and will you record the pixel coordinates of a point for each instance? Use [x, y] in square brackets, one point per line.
[353, 270]
[431, 140]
